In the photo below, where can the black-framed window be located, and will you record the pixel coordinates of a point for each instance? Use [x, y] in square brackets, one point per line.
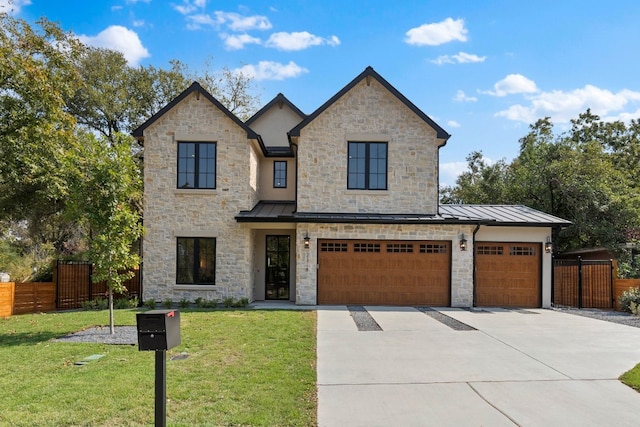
[197, 165]
[196, 261]
[367, 166]
[279, 174]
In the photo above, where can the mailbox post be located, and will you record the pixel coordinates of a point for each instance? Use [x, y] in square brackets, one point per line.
[159, 331]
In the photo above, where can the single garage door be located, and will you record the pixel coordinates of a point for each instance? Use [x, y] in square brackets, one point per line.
[508, 274]
[383, 272]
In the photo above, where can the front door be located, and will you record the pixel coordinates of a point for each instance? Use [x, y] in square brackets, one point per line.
[277, 280]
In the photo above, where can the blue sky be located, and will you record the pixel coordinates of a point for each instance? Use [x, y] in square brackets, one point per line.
[484, 70]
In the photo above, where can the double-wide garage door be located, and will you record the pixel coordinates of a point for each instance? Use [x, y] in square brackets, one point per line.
[508, 274]
[384, 272]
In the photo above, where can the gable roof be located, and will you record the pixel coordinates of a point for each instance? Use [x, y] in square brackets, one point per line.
[276, 151]
[195, 87]
[369, 72]
[280, 98]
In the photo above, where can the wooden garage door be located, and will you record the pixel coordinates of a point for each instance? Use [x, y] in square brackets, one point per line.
[508, 274]
[382, 272]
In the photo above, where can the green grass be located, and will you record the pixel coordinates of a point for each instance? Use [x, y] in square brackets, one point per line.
[632, 377]
[244, 368]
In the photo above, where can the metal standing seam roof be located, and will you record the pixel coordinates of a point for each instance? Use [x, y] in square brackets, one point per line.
[512, 215]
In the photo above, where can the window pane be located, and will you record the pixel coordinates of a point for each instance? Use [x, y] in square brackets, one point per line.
[185, 258]
[280, 174]
[207, 261]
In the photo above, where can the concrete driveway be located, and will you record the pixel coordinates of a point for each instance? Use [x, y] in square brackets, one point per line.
[518, 367]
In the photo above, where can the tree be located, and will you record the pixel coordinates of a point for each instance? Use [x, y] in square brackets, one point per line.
[483, 183]
[106, 188]
[36, 75]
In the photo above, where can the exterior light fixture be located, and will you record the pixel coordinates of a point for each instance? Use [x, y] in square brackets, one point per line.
[307, 240]
[548, 246]
[463, 243]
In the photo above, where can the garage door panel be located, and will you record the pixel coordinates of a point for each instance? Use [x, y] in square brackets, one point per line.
[508, 274]
[384, 272]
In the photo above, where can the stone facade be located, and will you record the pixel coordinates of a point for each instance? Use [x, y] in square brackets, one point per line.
[170, 212]
[461, 261]
[367, 113]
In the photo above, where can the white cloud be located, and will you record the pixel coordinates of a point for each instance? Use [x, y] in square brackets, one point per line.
[298, 40]
[563, 106]
[235, 42]
[449, 172]
[121, 39]
[138, 23]
[453, 124]
[13, 7]
[188, 6]
[270, 70]
[237, 22]
[137, 1]
[437, 33]
[114, 8]
[460, 58]
[512, 84]
[462, 97]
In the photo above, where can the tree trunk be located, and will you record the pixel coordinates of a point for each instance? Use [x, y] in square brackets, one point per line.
[111, 321]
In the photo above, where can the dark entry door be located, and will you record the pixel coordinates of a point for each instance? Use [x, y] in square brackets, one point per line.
[277, 280]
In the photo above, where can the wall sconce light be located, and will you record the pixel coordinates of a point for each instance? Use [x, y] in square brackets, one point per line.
[307, 240]
[548, 246]
[463, 243]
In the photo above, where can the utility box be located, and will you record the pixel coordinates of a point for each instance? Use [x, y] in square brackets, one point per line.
[158, 330]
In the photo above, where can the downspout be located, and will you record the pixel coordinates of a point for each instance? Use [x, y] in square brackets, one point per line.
[473, 240]
[295, 193]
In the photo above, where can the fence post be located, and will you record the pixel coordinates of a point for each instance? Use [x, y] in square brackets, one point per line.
[613, 295]
[579, 282]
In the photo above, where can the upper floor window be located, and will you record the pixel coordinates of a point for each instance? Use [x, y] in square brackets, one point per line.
[279, 174]
[367, 167]
[197, 165]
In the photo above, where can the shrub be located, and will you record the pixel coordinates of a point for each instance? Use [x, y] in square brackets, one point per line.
[96, 304]
[228, 302]
[167, 303]
[184, 303]
[242, 303]
[212, 303]
[150, 303]
[631, 295]
[122, 303]
[200, 302]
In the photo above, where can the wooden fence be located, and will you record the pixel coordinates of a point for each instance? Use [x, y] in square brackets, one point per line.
[6, 298]
[621, 285]
[23, 298]
[584, 283]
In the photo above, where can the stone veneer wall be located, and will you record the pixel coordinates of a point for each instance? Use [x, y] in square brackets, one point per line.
[368, 113]
[170, 213]
[461, 261]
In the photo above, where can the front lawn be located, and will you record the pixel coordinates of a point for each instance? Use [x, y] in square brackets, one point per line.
[244, 367]
[632, 377]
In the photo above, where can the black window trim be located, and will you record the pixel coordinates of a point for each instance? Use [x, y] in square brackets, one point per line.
[366, 165]
[275, 162]
[197, 165]
[196, 261]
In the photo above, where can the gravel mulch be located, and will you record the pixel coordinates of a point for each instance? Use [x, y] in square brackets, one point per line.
[449, 321]
[125, 335]
[609, 316]
[363, 319]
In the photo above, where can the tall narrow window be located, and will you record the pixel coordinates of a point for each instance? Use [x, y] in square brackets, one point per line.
[367, 166]
[196, 261]
[279, 174]
[197, 165]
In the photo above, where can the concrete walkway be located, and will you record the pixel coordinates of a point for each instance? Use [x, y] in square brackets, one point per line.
[518, 368]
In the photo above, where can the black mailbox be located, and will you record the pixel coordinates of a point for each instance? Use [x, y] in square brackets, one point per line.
[158, 329]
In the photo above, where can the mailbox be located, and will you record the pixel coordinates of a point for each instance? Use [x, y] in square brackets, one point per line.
[158, 329]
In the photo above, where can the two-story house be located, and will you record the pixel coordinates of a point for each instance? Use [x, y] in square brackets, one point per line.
[336, 207]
